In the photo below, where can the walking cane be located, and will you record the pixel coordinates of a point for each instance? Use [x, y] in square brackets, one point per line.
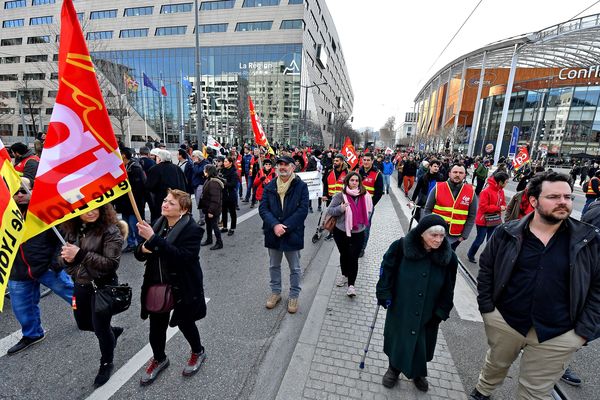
[412, 217]
[362, 361]
[317, 235]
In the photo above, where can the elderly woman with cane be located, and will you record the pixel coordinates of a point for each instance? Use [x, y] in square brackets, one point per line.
[416, 286]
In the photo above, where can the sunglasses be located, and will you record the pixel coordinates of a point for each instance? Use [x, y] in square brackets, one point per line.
[21, 191]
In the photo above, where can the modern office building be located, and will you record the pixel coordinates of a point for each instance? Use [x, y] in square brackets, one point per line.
[407, 128]
[553, 77]
[285, 54]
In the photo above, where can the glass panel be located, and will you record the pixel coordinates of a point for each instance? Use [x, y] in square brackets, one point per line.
[14, 4]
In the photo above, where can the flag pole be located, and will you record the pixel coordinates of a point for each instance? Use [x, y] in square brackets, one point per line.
[162, 110]
[144, 107]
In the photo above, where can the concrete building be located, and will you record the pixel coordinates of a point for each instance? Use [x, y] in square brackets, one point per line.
[407, 128]
[285, 54]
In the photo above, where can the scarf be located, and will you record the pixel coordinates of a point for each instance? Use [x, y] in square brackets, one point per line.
[357, 212]
[282, 187]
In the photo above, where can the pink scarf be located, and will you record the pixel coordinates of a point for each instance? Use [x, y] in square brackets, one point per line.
[357, 213]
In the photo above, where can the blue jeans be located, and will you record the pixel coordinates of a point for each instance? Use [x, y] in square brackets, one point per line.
[293, 258]
[483, 233]
[249, 182]
[386, 183]
[368, 230]
[133, 239]
[25, 299]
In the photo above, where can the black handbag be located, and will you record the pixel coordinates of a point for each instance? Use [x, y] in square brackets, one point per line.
[112, 299]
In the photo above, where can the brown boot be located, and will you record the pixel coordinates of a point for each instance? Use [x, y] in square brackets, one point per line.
[293, 305]
[273, 299]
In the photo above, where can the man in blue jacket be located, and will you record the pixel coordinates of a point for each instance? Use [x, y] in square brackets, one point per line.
[283, 209]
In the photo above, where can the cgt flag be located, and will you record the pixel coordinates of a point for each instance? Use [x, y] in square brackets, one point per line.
[350, 154]
[521, 158]
[259, 133]
[81, 167]
[11, 230]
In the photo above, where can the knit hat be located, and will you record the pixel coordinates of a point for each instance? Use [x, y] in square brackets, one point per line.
[428, 221]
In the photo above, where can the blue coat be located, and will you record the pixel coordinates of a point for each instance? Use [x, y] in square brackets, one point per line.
[292, 215]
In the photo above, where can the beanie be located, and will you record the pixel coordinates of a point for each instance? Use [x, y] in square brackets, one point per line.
[428, 221]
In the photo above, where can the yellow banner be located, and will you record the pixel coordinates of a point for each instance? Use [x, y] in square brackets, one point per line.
[35, 225]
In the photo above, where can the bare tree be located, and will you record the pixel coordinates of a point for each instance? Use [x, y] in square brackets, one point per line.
[388, 131]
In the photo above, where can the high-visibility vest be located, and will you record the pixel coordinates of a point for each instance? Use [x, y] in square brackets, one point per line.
[369, 180]
[238, 164]
[252, 162]
[335, 185]
[590, 190]
[20, 167]
[454, 210]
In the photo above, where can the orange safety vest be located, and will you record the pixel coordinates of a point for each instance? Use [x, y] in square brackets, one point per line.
[590, 190]
[454, 210]
[238, 165]
[369, 180]
[20, 167]
[335, 185]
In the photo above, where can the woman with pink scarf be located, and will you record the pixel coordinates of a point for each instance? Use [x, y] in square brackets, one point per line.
[352, 207]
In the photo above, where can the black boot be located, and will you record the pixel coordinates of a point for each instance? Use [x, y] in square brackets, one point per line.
[217, 246]
[390, 378]
[103, 374]
[421, 383]
[206, 242]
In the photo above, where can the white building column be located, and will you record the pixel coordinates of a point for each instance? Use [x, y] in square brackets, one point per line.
[476, 116]
[507, 96]
[460, 95]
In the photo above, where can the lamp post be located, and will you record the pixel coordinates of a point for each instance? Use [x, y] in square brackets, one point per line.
[306, 102]
[198, 82]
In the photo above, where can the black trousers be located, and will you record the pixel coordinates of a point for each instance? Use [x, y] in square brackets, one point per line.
[229, 208]
[158, 335]
[88, 320]
[349, 248]
[212, 225]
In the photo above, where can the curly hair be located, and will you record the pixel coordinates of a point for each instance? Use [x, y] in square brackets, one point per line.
[108, 217]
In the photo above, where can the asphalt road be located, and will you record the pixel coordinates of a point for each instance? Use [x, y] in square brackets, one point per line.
[239, 333]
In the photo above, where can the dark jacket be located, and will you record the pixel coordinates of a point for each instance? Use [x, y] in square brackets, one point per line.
[177, 254]
[198, 177]
[230, 177]
[98, 256]
[212, 197]
[410, 168]
[592, 215]
[378, 192]
[30, 167]
[424, 185]
[137, 180]
[188, 171]
[147, 163]
[292, 215]
[497, 262]
[36, 256]
[420, 285]
[161, 177]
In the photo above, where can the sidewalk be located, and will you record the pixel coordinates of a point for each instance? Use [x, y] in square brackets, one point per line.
[325, 362]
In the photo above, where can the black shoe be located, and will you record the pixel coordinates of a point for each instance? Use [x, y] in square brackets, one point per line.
[202, 223]
[24, 343]
[310, 210]
[103, 374]
[206, 242]
[252, 205]
[390, 378]
[329, 237]
[421, 383]
[319, 209]
[472, 260]
[245, 201]
[237, 208]
[475, 395]
[361, 254]
[231, 232]
[129, 249]
[570, 377]
[217, 246]
[117, 331]
[223, 230]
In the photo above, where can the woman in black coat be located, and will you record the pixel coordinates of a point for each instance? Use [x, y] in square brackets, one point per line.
[171, 255]
[210, 205]
[230, 176]
[416, 285]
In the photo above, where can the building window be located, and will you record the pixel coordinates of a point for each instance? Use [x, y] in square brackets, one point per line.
[52, 93]
[41, 20]
[176, 8]
[103, 14]
[217, 5]
[8, 77]
[138, 11]
[131, 33]
[38, 76]
[38, 39]
[11, 94]
[254, 26]
[295, 1]
[54, 57]
[80, 17]
[6, 110]
[13, 23]
[292, 24]
[36, 58]
[14, 4]
[53, 75]
[99, 35]
[42, 2]
[260, 3]
[6, 129]
[170, 30]
[49, 111]
[10, 60]
[212, 28]
[11, 42]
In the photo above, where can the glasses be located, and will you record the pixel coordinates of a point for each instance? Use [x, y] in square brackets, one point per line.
[557, 197]
[21, 191]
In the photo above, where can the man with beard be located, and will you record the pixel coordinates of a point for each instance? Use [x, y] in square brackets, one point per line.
[539, 291]
[36, 262]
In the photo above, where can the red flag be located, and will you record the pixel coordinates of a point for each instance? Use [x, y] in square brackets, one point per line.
[305, 158]
[350, 154]
[522, 158]
[163, 91]
[259, 133]
[81, 167]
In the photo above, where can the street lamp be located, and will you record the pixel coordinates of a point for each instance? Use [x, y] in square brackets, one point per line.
[306, 102]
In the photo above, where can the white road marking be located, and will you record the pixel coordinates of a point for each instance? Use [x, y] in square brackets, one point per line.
[127, 371]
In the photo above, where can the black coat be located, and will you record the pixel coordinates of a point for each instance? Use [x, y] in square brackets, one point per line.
[212, 197]
[161, 177]
[36, 256]
[178, 256]
[292, 215]
[420, 285]
[231, 179]
[497, 263]
[137, 180]
[592, 215]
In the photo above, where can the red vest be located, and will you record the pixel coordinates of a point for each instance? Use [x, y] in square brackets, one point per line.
[20, 167]
[335, 185]
[590, 190]
[454, 211]
[260, 186]
[369, 180]
[238, 165]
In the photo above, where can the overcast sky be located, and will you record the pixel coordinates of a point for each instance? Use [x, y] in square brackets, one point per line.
[389, 45]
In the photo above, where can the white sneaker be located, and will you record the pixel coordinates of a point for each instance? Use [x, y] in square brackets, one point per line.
[351, 292]
[341, 281]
